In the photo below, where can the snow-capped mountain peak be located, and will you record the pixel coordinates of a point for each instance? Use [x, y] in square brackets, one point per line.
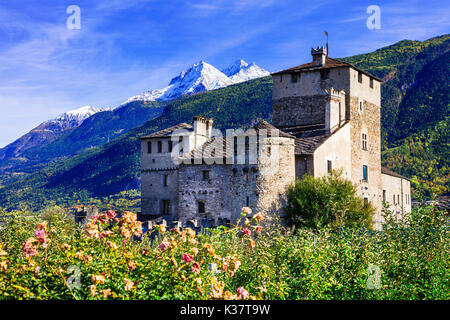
[240, 71]
[202, 76]
[235, 67]
[80, 113]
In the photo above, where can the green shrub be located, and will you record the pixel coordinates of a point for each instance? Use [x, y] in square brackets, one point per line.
[329, 201]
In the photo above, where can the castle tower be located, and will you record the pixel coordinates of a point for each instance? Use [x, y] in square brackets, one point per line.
[316, 99]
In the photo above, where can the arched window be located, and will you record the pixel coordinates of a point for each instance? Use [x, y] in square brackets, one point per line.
[159, 146]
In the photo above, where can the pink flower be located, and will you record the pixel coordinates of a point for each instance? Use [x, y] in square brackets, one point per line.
[164, 245]
[195, 267]
[29, 249]
[247, 232]
[40, 234]
[111, 214]
[242, 293]
[187, 258]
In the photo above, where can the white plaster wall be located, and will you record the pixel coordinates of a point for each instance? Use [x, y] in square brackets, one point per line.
[337, 149]
[400, 188]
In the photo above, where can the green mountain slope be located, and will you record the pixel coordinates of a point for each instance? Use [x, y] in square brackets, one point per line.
[424, 157]
[415, 90]
[95, 130]
[414, 125]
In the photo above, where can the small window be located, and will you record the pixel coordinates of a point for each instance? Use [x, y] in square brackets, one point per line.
[205, 174]
[364, 141]
[294, 77]
[393, 197]
[170, 145]
[324, 74]
[359, 76]
[149, 147]
[269, 151]
[365, 173]
[329, 166]
[166, 207]
[384, 195]
[247, 202]
[371, 82]
[247, 176]
[281, 78]
[201, 206]
[398, 199]
[159, 146]
[165, 180]
[360, 106]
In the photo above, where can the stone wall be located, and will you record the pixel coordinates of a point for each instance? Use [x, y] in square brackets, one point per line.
[304, 164]
[261, 185]
[366, 121]
[213, 191]
[296, 111]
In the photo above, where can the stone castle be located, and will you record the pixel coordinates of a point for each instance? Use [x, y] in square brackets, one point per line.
[326, 115]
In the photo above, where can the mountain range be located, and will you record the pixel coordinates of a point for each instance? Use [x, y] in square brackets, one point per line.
[202, 77]
[65, 135]
[415, 113]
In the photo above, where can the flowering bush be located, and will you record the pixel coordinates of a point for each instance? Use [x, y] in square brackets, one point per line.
[110, 258]
[50, 257]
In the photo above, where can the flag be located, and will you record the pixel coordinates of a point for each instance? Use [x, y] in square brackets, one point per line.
[326, 33]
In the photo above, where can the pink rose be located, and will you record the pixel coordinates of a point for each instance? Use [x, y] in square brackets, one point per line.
[247, 232]
[242, 293]
[187, 258]
[164, 245]
[195, 267]
[110, 214]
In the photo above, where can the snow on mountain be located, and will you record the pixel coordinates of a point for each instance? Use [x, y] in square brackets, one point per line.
[79, 114]
[48, 131]
[241, 71]
[202, 77]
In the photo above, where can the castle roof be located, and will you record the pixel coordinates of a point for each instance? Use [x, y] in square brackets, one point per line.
[308, 138]
[385, 170]
[219, 147]
[168, 132]
[264, 125]
[329, 64]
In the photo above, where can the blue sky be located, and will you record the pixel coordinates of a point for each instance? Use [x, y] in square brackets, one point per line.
[126, 47]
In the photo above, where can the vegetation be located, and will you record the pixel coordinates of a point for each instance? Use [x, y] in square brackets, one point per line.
[47, 256]
[424, 157]
[327, 201]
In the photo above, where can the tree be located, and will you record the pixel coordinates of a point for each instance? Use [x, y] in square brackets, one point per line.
[329, 201]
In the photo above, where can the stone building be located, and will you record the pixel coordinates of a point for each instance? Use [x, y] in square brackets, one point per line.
[326, 115]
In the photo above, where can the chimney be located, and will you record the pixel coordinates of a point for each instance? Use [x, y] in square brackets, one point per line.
[319, 56]
[334, 109]
[202, 130]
